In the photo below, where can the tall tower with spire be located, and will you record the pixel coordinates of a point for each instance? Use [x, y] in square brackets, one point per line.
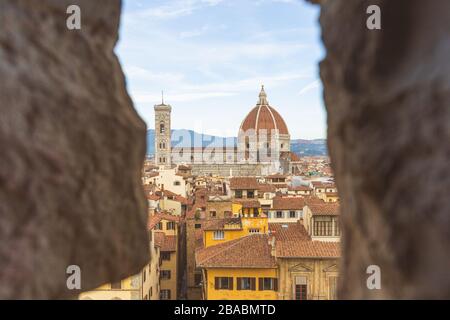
[163, 147]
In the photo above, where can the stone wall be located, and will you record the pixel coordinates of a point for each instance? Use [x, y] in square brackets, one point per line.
[387, 93]
[224, 170]
[71, 151]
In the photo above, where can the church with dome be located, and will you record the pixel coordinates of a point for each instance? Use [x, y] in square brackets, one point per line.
[262, 146]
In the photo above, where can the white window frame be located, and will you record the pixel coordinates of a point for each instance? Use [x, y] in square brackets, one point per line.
[219, 235]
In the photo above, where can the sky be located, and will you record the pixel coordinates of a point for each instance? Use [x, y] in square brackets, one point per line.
[210, 57]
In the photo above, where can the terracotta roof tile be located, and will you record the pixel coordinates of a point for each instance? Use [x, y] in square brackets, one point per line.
[252, 251]
[324, 208]
[264, 117]
[307, 249]
[280, 203]
[267, 187]
[165, 242]
[245, 183]
[157, 217]
[293, 231]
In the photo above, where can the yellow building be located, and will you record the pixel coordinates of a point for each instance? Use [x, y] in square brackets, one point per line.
[222, 230]
[242, 268]
[237, 260]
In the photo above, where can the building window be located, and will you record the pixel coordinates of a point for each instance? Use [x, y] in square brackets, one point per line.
[170, 225]
[165, 274]
[301, 288]
[332, 285]
[198, 226]
[228, 214]
[337, 227]
[323, 227]
[198, 279]
[268, 284]
[223, 283]
[116, 285]
[212, 214]
[279, 214]
[165, 256]
[162, 128]
[253, 230]
[292, 214]
[177, 183]
[159, 226]
[219, 235]
[250, 194]
[238, 194]
[246, 283]
[164, 294]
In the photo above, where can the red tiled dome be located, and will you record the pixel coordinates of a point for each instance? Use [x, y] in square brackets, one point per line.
[264, 117]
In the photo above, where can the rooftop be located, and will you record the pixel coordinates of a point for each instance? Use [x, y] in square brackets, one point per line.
[252, 251]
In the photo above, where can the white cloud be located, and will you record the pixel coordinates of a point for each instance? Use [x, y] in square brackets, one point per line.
[180, 97]
[135, 72]
[177, 9]
[192, 92]
[311, 86]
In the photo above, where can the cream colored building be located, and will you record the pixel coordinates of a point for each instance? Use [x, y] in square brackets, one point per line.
[169, 179]
[321, 220]
[142, 286]
[313, 278]
[307, 269]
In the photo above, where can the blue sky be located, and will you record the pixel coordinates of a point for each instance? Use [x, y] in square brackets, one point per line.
[211, 56]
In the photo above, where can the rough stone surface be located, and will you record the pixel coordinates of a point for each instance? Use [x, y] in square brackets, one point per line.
[387, 94]
[71, 151]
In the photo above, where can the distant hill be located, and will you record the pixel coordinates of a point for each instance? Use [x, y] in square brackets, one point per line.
[316, 147]
[186, 138]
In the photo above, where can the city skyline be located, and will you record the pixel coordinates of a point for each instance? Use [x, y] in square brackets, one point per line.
[210, 57]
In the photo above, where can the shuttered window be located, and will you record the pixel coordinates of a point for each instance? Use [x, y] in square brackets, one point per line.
[268, 284]
[246, 283]
[223, 283]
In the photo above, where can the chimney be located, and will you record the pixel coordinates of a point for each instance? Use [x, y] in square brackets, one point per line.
[273, 251]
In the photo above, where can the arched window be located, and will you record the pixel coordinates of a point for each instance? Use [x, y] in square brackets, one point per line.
[162, 127]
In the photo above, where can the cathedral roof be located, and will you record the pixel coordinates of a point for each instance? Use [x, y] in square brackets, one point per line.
[264, 117]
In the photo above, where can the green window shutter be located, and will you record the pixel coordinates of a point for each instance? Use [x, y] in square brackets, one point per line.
[261, 284]
[230, 282]
[239, 283]
[275, 284]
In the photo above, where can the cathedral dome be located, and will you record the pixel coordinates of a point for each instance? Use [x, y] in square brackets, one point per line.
[264, 117]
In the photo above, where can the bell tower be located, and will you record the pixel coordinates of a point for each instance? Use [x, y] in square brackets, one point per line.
[162, 135]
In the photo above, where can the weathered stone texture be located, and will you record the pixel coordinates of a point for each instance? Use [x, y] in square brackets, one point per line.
[71, 151]
[387, 94]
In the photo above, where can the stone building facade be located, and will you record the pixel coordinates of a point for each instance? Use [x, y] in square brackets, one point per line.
[262, 148]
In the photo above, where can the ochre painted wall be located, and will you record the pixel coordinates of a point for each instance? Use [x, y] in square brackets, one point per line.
[213, 294]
